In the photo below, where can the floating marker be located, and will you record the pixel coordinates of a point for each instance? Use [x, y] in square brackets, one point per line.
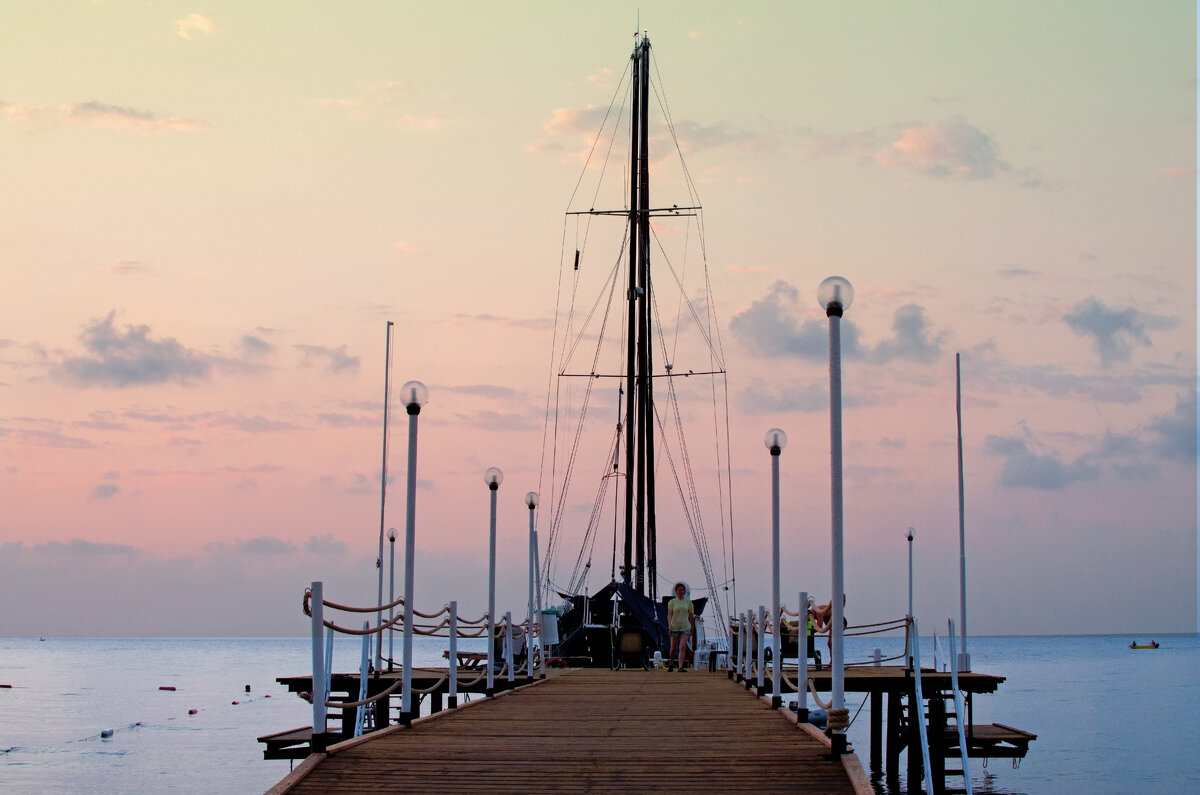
[247, 688]
[193, 711]
[106, 732]
[268, 695]
[234, 703]
[167, 687]
[5, 685]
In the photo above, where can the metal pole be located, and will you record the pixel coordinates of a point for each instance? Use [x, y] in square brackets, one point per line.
[508, 646]
[802, 684]
[776, 616]
[491, 615]
[541, 618]
[410, 521]
[529, 629]
[910, 573]
[391, 597]
[760, 662]
[318, 666]
[383, 488]
[964, 659]
[452, 699]
[837, 669]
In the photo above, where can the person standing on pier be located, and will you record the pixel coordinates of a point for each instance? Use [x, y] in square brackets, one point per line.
[681, 620]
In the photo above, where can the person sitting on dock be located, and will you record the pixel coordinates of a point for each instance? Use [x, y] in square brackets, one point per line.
[681, 619]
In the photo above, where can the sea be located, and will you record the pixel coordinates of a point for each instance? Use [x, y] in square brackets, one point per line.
[1109, 719]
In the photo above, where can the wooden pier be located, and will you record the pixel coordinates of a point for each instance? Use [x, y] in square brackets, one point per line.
[592, 730]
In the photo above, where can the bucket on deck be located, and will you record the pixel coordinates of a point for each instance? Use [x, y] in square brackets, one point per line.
[550, 626]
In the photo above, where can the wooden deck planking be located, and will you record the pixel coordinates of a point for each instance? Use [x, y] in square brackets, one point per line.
[593, 731]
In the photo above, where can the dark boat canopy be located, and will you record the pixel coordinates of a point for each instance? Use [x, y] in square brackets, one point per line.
[650, 616]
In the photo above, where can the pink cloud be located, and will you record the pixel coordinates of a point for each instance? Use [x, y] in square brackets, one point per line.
[100, 115]
[954, 150]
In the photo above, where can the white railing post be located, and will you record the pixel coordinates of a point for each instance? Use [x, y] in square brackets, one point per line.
[508, 645]
[761, 662]
[916, 710]
[958, 712]
[541, 618]
[452, 697]
[319, 695]
[802, 663]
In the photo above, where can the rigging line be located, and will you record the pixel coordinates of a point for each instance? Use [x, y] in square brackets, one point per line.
[665, 108]
[700, 325]
[557, 519]
[611, 280]
[596, 140]
[729, 490]
[551, 380]
[696, 533]
[590, 534]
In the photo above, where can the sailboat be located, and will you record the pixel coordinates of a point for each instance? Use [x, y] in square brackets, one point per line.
[637, 352]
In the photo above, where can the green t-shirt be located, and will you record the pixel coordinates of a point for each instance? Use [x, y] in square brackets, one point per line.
[681, 610]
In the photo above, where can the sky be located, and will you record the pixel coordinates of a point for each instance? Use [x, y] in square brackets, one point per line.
[210, 211]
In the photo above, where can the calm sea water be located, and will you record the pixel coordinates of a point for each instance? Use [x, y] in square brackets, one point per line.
[1108, 719]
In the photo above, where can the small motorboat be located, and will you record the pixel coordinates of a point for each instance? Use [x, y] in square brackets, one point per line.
[1151, 645]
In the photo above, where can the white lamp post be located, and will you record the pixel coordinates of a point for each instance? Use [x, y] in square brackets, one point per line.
[415, 395]
[391, 537]
[908, 628]
[835, 295]
[776, 440]
[531, 502]
[493, 478]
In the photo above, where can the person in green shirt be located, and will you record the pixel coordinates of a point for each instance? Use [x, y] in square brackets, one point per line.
[681, 619]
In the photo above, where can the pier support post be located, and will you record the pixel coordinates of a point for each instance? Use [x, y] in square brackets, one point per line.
[876, 731]
[895, 738]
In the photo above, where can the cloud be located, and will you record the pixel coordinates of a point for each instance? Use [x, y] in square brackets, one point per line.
[772, 327]
[773, 398]
[1176, 432]
[131, 358]
[324, 545]
[264, 545]
[48, 439]
[128, 267]
[494, 391]
[102, 116]
[104, 491]
[1024, 468]
[255, 424]
[340, 420]
[336, 359]
[429, 122]
[193, 23]
[76, 547]
[893, 444]
[951, 150]
[1114, 332]
[913, 341]
[947, 150]
[254, 346]
[1014, 272]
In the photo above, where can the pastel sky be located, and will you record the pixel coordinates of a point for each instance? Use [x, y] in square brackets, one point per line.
[209, 212]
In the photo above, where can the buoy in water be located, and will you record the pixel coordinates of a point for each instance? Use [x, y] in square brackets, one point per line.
[9, 686]
[193, 711]
[247, 688]
[268, 695]
[234, 703]
[106, 732]
[167, 687]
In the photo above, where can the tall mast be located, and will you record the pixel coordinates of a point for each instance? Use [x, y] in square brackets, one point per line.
[647, 340]
[640, 542]
[631, 335]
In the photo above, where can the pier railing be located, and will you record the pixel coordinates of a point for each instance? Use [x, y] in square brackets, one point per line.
[445, 623]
